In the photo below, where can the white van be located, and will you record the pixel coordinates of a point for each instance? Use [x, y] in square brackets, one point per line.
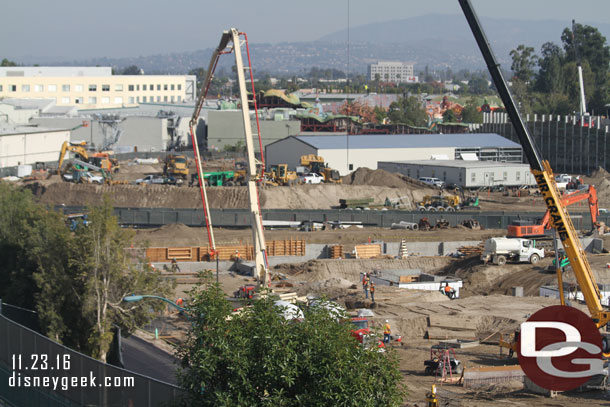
[435, 182]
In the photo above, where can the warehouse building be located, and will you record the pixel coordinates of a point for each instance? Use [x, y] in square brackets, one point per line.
[20, 145]
[347, 153]
[468, 174]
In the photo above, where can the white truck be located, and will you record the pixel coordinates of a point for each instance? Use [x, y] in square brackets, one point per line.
[499, 250]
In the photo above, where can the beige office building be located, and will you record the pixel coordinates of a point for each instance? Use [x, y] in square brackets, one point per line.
[94, 87]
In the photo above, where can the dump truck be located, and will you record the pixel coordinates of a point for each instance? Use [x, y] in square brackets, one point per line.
[500, 250]
[176, 166]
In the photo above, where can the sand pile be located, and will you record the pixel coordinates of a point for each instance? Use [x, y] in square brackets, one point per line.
[383, 178]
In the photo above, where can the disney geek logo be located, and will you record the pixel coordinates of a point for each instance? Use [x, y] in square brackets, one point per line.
[560, 348]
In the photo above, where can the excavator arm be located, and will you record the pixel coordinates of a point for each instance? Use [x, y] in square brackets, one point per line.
[78, 149]
[567, 200]
[559, 218]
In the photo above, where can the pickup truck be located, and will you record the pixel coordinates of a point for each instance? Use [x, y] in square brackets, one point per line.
[84, 177]
[158, 179]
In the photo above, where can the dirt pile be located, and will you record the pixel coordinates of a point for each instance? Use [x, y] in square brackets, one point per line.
[382, 178]
[175, 234]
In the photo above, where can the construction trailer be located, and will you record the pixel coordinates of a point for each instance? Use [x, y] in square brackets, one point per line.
[414, 279]
[465, 173]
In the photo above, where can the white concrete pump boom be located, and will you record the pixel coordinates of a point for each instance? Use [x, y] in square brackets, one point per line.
[231, 38]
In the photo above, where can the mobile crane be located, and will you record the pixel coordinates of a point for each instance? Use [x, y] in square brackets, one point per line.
[231, 42]
[559, 218]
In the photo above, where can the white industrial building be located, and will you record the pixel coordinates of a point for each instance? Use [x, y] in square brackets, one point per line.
[388, 71]
[21, 145]
[346, 153]
[468, 174]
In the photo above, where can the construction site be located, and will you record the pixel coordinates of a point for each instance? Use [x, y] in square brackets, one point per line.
[451, 278]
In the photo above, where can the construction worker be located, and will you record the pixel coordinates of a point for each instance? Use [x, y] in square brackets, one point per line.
[365, 285]
[386, 332]
[175, 267]
[237, 256]
[449, 291]
[372, 289]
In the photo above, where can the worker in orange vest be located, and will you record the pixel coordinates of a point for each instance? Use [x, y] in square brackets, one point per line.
[372, 289]
[365, 285]
[449, 291]
[386, 332]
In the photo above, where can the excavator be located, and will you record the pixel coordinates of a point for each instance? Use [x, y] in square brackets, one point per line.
[526, 230]
[101, 160]
[558, 215]
[315, 163]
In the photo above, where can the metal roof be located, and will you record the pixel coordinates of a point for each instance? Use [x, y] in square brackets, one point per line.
[470, 140]
[459, 163]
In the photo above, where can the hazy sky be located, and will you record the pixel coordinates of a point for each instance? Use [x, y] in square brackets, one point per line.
[77, 29]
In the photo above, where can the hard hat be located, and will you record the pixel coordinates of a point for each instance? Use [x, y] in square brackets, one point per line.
[386, 321]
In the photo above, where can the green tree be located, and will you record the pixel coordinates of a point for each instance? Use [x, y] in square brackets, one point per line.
[450, 117]
[550, 77]
[131, 70]
[257, 358]
[109, 273]
[470, 113]
[524, 62]
[479, 85]
[409, 111]
[6, 62]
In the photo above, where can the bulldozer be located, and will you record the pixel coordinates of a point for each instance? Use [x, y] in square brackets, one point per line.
[439, 203]
[280, 175]
[315, 163]
[176, 165]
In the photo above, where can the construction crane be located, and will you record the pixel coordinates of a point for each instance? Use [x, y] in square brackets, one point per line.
[230, 42]
[559, 218]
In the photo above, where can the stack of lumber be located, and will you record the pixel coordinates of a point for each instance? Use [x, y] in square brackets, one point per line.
[335, 251]
[472, 250]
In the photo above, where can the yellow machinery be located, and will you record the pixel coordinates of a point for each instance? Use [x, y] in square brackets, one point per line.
[176, 166]
[101, 160]
[559, 218]
[315, 163]
[77, 148]
[439, 203]
[280, 175]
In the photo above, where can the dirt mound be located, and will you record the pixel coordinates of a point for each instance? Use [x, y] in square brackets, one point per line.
[382, 178]
[176, 233]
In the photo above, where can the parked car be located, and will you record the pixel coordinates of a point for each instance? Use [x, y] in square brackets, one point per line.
[85, 177]
[311, 178]
[435, 182]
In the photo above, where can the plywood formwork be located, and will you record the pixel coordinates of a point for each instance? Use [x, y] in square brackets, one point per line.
[335, 251]
[367, 251]
[289, 247]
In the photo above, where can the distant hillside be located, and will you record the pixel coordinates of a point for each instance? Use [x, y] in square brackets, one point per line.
[438, 41]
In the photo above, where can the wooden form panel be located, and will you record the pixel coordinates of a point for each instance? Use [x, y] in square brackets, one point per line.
[367, 251]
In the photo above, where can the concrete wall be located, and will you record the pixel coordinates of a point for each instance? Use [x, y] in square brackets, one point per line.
[338, 158]
[27, 148]
[287, 151]
[226, 128]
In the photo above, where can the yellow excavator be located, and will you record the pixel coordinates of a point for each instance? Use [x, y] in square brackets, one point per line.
[102, 160]
[315, 163]
[559, 217]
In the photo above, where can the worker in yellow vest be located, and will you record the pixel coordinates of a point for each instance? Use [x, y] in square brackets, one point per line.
[386, 332]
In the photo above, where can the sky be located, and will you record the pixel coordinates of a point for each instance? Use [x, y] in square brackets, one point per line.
[80, 29]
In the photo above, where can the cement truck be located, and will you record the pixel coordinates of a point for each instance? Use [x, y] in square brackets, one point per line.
[500, 250]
